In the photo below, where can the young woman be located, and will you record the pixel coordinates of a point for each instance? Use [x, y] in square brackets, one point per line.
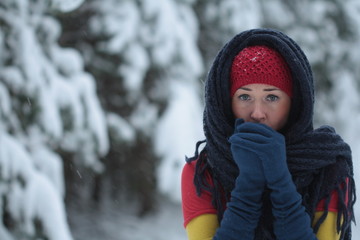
[265, 172]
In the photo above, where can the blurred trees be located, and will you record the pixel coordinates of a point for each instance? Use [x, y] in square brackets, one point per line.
[48, 106]
[135, 50]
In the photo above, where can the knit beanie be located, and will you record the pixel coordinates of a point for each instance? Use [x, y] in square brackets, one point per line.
[260, 64]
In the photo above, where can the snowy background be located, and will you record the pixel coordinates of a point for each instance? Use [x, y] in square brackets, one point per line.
[100, 100]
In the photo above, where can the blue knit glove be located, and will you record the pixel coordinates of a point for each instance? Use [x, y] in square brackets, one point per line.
[244, 209]
[291, 220]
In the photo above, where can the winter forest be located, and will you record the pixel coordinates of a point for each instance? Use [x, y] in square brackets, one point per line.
[101, 100]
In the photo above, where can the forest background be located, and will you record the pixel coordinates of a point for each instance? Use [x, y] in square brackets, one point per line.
[100, 101]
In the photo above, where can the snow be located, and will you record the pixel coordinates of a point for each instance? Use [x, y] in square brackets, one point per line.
[30, 195]
[94, 114]
[249, 11]
[12, 77]
[5, 106]
[144, 116]
[39, 82]
[50, 164]
[66, 5]
[120, 128]
[176, 135]
[114, 221]
[47, 206]
[135, 69]
[26, 50]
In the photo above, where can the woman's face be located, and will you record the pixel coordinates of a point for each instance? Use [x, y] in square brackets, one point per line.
[262, 103]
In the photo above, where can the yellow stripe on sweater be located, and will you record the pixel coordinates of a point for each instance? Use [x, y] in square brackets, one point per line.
[327, 229]
[204, 227]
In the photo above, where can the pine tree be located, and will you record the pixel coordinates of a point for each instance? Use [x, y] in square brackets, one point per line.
[136, 50]
[48, 106]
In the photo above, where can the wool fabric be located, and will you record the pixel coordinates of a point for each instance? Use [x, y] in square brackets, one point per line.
[318, 159]
[260, 64]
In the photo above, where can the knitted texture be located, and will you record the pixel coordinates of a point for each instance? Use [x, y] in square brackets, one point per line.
[260, 64]
[319, 160]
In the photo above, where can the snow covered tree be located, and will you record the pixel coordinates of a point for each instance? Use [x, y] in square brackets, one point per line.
[48, 106]
[220, 20]
[144, 57]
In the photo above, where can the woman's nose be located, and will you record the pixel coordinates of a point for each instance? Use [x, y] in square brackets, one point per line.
[258, 113]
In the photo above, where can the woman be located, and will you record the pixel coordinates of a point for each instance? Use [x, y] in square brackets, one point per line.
[265, 173]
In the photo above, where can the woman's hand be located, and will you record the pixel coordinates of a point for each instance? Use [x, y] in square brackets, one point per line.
[245, 206]
[247, 160]
[291, 220]
[269, 146]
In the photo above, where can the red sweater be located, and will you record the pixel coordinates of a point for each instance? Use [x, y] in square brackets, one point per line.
[194, 205]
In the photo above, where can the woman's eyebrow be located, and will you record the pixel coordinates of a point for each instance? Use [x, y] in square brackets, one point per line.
[246, 89]
[271, 89]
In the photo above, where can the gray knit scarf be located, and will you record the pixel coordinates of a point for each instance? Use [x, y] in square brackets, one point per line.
[319, 160]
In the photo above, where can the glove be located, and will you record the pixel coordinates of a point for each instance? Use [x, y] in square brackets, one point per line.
[244, 208]
[291, 220]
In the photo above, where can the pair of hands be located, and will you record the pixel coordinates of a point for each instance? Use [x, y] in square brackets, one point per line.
[260, 153]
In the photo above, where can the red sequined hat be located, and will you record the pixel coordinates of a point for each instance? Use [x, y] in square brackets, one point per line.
[260, 64]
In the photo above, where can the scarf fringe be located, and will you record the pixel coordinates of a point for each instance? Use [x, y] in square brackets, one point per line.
[347, 197]
[202, 184]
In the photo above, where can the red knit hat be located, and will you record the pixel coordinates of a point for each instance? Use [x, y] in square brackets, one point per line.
[260, 64]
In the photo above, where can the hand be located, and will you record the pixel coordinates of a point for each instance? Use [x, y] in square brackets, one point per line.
[291, 220]
[244, 208]
[248, 162]
[270, 147]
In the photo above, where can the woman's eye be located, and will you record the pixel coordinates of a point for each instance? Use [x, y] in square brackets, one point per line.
[272, 98]
[244, 97]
